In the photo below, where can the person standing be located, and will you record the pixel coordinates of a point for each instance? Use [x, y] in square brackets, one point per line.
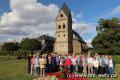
[57, 62]
[68, 64]
[32, 61]
[29, 63]
[90, 64]
[62, 61]
[43, 62]
[106, 60]
[102, 64]
[36, 66]
[100, 70]
[74, 63]
[95, 65]
[49, 66]
[110, 65]
[54, 63]
[84, 61]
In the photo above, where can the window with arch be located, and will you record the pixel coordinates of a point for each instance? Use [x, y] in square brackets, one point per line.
[58, 35]
[59, 26]
[63, 26]
[61, 15]
[64, 35]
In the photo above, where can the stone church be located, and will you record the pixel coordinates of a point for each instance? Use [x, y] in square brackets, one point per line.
[67, 40]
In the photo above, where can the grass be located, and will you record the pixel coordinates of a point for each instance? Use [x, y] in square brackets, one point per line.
[7, 58]
[12, 69]
[116, 58]
[117, 73]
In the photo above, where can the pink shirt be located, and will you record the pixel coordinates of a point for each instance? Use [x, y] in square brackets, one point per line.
[32, 61]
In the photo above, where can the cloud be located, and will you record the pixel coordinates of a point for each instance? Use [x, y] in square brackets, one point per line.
[111, 13]
[86, 30]
[89, 42]
[116, 10]
[28, 18]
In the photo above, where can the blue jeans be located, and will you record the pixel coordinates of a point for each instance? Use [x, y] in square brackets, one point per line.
[110, 70]
[106, 69]
[37, 70]
[75, 68]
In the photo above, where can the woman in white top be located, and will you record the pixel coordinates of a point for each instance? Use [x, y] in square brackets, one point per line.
[95, 65]
[74, 63]
[85, 64]
[110, 64]
[90, 64]
[36, 66]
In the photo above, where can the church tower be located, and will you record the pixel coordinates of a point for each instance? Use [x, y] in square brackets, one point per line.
[64, 35]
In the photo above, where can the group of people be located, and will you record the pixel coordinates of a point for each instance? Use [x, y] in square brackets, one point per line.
[85, 63]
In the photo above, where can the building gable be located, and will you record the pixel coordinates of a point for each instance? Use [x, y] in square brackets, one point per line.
[64, 13]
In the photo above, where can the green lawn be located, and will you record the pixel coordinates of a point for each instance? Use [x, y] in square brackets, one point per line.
[12, 69]
[117, 72]
[7, 58]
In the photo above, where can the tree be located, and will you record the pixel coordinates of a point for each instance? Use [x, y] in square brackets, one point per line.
[10, 46]
[30, 44]
[108, 37]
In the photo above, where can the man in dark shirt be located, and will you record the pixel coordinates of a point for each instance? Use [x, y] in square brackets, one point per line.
[29, 63]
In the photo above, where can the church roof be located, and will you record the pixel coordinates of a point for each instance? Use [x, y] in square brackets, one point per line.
[66, 10]
[45, 37]
[77, 36]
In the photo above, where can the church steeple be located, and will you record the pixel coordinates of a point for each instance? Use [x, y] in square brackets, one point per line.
[66, 10]
[64, 13]
[63, 43]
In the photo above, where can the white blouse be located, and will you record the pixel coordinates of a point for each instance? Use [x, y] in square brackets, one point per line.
[110, 63]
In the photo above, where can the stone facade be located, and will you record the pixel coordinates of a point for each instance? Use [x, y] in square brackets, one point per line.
[65, 43]
[79, 44]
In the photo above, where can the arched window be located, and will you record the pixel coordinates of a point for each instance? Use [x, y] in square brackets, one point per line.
[58, 35]
[63, 26]
[64, 35]
[59, 26]
[61, 15]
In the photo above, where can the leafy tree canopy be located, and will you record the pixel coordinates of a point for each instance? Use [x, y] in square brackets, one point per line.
[30, 44]
[108, 37]
[10, 46]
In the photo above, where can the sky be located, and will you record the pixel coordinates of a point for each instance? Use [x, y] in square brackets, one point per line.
[32, 18]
